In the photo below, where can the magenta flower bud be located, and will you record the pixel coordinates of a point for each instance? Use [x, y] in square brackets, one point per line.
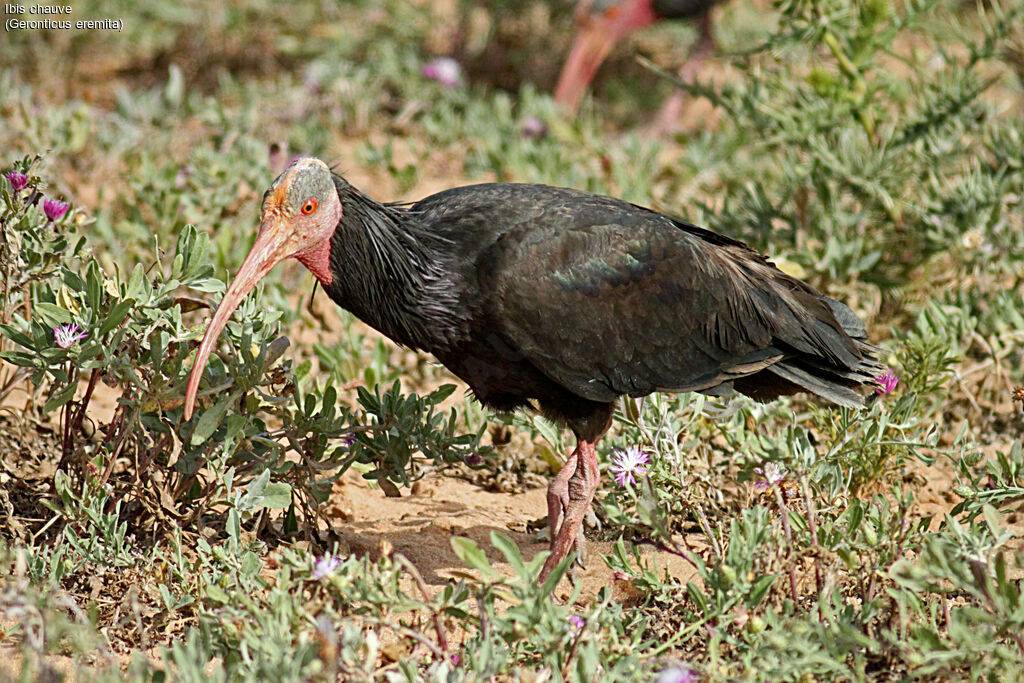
[887, 382]
[17, 180]
[54, 209]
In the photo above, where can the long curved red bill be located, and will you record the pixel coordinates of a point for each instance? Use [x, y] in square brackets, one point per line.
[596, 37]
[271, 248]
[589, 50]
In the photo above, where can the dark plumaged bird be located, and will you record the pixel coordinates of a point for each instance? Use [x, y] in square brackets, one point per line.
[602, 24]
[560, 299]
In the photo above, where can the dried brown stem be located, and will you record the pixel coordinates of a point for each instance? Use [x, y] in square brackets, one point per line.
[788, 532]
[442, 638]
[812, 526]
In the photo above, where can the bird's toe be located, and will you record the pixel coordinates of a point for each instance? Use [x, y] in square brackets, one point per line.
[581, 548]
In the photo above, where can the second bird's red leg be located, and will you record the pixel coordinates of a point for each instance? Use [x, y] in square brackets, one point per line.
[569, 497]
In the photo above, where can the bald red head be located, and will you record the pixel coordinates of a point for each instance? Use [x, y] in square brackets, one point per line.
[300, 212]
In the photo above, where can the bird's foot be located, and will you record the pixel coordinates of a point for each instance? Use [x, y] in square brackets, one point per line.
[590, 521]
[580, 545]
[558, 496]
[558, 505]
[569, 497]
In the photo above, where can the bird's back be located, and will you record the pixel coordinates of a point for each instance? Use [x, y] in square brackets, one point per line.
[603, 298]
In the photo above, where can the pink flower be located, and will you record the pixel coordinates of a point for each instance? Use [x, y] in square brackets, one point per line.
[17, 180]
[444, 70]
[772, 473]
[577, 622]
[325, 566]
[534, 127]
[886, 383]
[54, 209]
[679, 673]
[66, 335]
[628, 464]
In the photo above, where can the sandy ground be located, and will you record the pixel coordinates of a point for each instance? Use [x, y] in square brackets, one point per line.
[420, 526]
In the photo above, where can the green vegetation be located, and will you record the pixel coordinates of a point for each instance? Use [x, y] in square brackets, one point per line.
[873, 148]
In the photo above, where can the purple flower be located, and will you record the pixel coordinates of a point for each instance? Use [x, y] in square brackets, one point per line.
[677, 673]
[54, 209]
[455, 658]
[66, 335]
[325, 566]
[771, 474]
[17, 180]
[348, 439]
[444, 70]
[628, 464]
[577, 622]
[886, 383]
[534, 127]
[474, 460]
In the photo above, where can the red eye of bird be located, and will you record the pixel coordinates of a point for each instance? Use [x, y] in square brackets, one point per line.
[309, 207]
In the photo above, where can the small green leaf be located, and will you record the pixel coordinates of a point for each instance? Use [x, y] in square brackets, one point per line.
[556, 574]
[217, 594]
[52, 314]
[760, 588]
[992, 519]
[93, 286]
[291, 520]
[135, 281]
[253, 496]
[697, 595]
[251, 564]
[60, 399]
[208, 285]
[233, 527]
[277, 495]
[469, 552]
[235, 424]
[16, 336]
[510, 550]
[19, 358]
[441, 393]
[211, 419]
[165, 595]
[115, 317]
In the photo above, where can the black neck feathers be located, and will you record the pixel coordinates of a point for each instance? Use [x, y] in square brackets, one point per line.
[392, 272]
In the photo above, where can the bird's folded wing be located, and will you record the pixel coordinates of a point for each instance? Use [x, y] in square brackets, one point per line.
[637, 302]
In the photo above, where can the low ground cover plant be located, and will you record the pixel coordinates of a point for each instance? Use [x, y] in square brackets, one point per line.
[873, 148]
